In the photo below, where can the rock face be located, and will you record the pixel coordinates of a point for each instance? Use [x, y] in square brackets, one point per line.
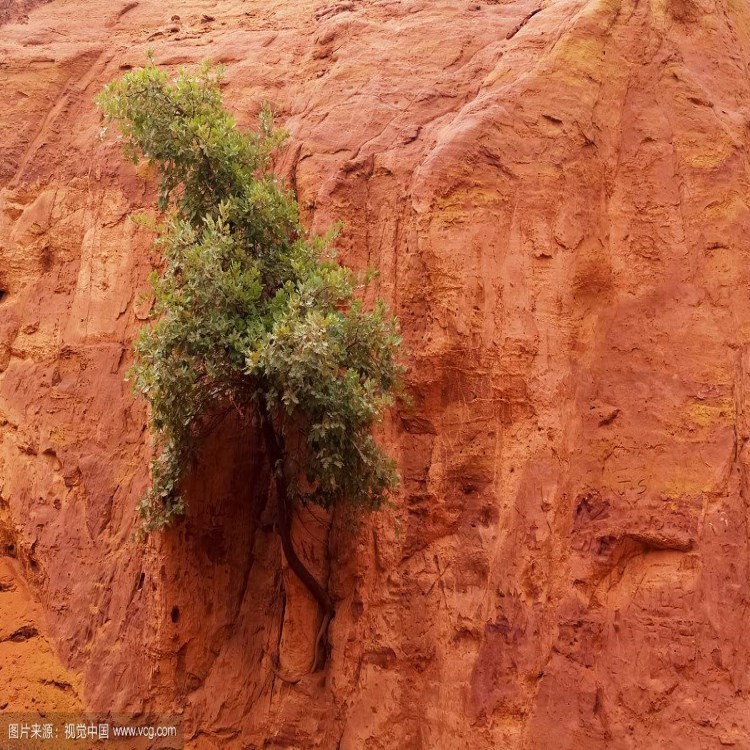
[31, 676]
[556, 194]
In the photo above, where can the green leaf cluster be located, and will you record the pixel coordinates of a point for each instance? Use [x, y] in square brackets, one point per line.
[251, 313]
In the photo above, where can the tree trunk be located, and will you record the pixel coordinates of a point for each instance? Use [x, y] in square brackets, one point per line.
[276, 455]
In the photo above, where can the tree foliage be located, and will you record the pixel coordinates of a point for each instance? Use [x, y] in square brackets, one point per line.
[251, 313]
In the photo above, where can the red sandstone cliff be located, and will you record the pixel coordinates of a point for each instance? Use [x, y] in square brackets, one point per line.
[557, 195]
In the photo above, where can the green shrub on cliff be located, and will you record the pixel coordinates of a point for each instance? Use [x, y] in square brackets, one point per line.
[252, 314]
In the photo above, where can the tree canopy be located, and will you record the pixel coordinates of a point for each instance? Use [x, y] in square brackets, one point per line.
[252, 313]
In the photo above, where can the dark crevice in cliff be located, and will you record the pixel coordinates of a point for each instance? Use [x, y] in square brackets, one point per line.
[25, 633]
[523, 23]
[275, 655]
